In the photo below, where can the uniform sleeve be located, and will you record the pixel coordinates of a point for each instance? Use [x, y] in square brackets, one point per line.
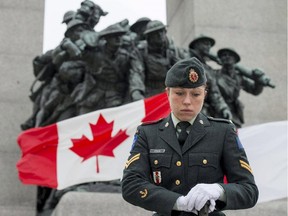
[241, 190]
[137, 186]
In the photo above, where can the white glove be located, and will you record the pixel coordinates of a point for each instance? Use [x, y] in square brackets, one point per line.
[201, 193]
[212, 205]
[181, 205]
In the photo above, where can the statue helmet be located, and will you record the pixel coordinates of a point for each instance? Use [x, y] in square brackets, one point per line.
[201, 38]
[231, 51]
[69, 15]
[139, 23]
[75, 22]
[115, 29]
[154, 25]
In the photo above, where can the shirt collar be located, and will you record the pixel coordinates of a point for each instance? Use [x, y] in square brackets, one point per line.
[175, 120]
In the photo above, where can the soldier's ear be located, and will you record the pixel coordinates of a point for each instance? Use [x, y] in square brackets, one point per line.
[167, 89]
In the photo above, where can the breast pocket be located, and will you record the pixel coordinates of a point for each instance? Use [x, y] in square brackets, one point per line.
[160, 165]
[204, 167]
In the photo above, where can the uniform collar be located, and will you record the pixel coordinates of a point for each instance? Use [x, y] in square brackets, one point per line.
[175, 120]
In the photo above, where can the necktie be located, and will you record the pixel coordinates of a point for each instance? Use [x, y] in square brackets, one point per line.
[183, 133]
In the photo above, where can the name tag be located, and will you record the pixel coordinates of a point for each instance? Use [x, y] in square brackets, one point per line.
[157, 151]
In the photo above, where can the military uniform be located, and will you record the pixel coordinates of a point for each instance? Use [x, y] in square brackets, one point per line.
[159, 171]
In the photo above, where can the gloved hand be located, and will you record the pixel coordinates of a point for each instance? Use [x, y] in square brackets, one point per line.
[201, 193]
[181, 205]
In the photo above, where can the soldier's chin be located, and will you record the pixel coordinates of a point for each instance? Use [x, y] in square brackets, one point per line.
[186, 116]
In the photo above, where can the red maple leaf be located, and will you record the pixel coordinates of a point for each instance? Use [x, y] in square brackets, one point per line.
[102, 142]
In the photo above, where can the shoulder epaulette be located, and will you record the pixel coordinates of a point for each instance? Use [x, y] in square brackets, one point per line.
[223, 120]
[151, 122]
[220, 120]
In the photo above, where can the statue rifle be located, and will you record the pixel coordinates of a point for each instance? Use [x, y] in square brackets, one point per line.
[264, 80]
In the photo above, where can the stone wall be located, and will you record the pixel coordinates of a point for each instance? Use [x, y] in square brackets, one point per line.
[21, 24]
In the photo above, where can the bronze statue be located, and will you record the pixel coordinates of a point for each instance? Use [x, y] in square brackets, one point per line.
[215, 104]
[111, 78]
[139, 28]
[44, 71]
[68, 16]
[231, 81]
[90, 13]
[79, 36]
[157, 58]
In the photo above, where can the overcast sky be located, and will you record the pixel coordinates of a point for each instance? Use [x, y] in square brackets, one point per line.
[117, 11]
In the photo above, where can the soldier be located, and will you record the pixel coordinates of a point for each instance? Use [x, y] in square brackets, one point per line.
[56, 103]
[230, 82]
[112, 73]
[44, 71]
[139, 28]
[68, 16]
[90, 13]
[214, 103]
[177, 164]
[78, 37]
[157, 58]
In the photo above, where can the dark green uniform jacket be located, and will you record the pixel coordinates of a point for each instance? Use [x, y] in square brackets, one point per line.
[157, 171]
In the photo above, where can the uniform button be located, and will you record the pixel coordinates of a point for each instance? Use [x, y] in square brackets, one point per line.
[155, 162]
[205, 161]
[178, 163]
[177, 182]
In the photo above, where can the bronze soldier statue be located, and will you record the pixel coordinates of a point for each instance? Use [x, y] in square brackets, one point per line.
[215, 104]
[111, 77]
[79, 36]
[44, 71]
[139, 28]
[156, 58]
[90, 13]
[231, 81]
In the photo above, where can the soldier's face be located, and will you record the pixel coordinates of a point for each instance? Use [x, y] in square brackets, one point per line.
[157, 38]
[203, 46]
[227, 58]
[114, 41]
[186, 103]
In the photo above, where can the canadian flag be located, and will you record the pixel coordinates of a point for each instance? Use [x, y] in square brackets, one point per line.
[87, 148]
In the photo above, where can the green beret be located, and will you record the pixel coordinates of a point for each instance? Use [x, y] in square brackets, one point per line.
[187, 73]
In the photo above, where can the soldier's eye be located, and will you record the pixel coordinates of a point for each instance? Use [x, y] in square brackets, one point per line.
[179, 93]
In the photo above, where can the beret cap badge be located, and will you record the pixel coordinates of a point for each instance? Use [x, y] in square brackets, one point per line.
[193, 76]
